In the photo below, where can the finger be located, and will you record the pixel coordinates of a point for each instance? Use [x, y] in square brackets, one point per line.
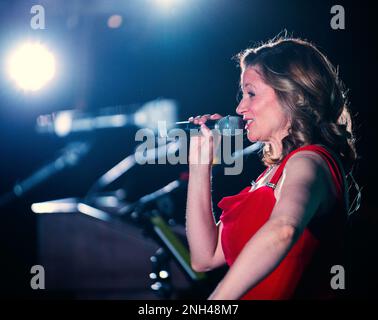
[204, 118]
[191, 119]
[216, 116]
[196, 119]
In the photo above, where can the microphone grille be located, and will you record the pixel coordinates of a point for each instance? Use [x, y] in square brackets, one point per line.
[230, 125]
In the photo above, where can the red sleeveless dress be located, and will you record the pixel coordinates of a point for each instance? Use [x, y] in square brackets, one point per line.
[305, 271]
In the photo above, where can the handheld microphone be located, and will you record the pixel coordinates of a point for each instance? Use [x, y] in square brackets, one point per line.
[227, 126]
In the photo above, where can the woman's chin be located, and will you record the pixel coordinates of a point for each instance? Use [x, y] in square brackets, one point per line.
[252, 137]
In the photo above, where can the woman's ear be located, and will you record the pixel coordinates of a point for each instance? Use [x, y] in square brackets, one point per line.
[345, 119]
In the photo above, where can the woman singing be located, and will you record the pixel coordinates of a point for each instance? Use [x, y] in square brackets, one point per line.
[280, 237]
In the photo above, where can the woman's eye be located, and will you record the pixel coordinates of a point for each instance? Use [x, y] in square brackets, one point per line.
[251, 94]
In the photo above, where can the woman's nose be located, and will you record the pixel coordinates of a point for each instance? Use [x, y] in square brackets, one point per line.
[240, 109]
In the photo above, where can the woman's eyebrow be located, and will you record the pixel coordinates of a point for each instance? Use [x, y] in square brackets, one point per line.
[247, 85]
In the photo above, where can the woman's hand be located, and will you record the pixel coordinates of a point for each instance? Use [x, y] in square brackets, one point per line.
[203, 146]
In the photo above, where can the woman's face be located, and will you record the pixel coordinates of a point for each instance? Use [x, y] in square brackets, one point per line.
[260, 108]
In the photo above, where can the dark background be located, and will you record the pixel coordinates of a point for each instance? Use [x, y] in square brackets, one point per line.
[184, 55]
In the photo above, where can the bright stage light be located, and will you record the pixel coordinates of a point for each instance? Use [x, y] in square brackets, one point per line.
[31, 66]
[167, 4]
[63, 123]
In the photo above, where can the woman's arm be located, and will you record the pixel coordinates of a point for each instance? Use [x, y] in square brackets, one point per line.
[304, 188]
[202, 232]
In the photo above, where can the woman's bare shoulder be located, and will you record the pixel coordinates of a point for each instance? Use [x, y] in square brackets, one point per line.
[305, 163]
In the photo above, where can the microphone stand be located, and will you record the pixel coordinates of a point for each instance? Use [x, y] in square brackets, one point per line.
[70, 156]
[126, 164]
